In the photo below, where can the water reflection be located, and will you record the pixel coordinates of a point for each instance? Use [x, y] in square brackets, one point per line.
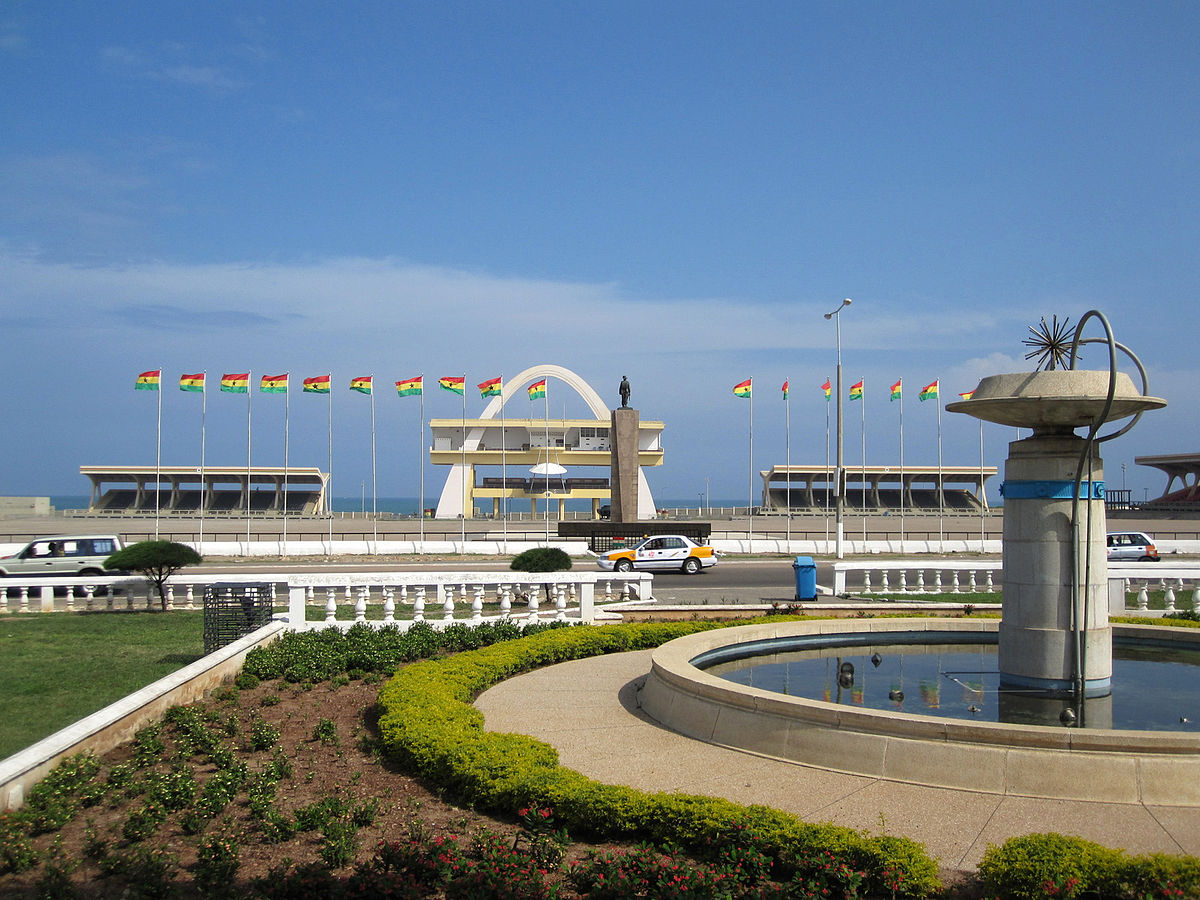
[1153, 690]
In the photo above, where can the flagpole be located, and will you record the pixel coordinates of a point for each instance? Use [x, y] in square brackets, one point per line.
[463, 547]
[787, 427]
[863, 382]
[750, 498]
[249, 396]
[503, 467]
[286, 403]
[941, 480]
[421, 463]
[158, 457]
[329, 475]
[901, 383]
[203, 483]
[374, 486]
[546, 492]
[826, 509]
[982, 495]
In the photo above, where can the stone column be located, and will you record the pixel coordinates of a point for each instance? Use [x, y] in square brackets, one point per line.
[1036, 640]
[623, 474]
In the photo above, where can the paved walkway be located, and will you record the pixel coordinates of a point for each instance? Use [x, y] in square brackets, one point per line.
[588, 710]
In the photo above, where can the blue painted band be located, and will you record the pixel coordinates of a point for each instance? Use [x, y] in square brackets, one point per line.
[1051, 490]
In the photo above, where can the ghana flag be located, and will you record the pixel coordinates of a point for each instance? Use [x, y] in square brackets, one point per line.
[236, 383]
[490, 388]
[929, 392]
[785, 390]
[968, 395]
[148, 381]
[411, 387]
[274, 384]
[537, 390]
[192, 382]
[362, 384]
[743, 389]
[896, 388]
[856, 391]
[828, 389]
[453, 384]
[318, 384]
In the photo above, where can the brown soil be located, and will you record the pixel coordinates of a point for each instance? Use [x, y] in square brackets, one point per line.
[351, 769]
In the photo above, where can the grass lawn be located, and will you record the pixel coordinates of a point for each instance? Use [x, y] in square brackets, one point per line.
[57, 668]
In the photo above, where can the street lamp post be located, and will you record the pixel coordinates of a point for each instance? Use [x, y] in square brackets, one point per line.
[839, 477]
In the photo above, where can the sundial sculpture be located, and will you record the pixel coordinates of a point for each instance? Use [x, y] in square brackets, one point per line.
[1055, 636]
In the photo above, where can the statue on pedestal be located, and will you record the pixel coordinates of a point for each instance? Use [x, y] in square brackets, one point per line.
[624, 392]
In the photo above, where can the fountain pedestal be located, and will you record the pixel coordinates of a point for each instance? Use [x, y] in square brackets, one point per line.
[1036, 645]
[1052, 630]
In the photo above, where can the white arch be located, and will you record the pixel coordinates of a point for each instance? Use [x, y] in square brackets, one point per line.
[450, 504]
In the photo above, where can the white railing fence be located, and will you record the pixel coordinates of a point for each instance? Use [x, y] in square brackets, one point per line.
[346, 598]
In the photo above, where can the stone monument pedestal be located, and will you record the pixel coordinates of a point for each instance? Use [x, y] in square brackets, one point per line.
[624, 469]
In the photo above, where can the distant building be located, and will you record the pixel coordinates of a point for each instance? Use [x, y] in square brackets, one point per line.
[301, 490]
[877, 489]
[1182, 490]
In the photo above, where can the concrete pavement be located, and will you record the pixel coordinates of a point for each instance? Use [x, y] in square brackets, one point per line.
[588, 710]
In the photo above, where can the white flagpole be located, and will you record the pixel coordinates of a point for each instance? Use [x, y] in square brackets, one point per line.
[901, 465]
[158, 456]
[941, 482]
[826, 510]
[463, 547]
[863, 401]
[249, 395]
[374, 489]
[287, 378]
[329, 476]
[546, 492]
[750, 498]
[982, 495]
[787, 427]
[203, 483]
[503, 467]
[421, 463]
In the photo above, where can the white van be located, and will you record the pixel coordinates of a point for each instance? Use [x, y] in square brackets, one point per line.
[67, 554]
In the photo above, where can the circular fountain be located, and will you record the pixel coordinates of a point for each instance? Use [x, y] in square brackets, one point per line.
[1055, 640]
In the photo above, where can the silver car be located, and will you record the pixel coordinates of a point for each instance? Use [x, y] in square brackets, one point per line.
[68, 554]
[1131, 545]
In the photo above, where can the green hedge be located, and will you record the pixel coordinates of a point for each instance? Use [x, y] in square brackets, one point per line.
[429, 725]
[1045, 865]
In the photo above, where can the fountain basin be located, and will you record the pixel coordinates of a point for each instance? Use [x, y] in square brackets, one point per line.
[1120, 766]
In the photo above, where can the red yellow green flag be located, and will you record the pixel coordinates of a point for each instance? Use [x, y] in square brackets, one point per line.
[362, 384]
[148, 381]
[318, 384]
[968, 395]
[236, 383]
[192, 382]
[856, 391]
[455, 384]
[537, 390]
[274, 384]
[411, 387]
[785, 389]
[743, 389]
[896, 388]
[929, 392]
[828, 389]
[490, 388]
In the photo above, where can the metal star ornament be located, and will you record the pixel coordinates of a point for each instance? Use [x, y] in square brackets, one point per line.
[1051, 343]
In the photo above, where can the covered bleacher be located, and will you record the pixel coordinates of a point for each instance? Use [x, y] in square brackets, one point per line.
[1182, 491]
[878, 489]
[223, 490]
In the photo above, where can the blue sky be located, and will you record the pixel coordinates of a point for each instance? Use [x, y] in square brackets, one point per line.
[672, 191]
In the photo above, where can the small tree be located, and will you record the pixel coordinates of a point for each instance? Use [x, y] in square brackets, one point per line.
[541, 559]
[157, 560]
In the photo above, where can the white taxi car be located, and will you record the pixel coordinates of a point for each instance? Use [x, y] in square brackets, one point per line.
[663, 551]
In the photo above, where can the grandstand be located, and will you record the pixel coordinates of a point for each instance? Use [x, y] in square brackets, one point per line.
[273, 490]
[877, 489]
[1182, 491]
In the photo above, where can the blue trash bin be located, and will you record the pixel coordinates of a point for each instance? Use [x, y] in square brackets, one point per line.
[806, 578]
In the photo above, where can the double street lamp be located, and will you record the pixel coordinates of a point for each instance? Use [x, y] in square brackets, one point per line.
[839, 476]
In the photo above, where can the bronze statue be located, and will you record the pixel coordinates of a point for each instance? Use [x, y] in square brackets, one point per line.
[624, 392]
